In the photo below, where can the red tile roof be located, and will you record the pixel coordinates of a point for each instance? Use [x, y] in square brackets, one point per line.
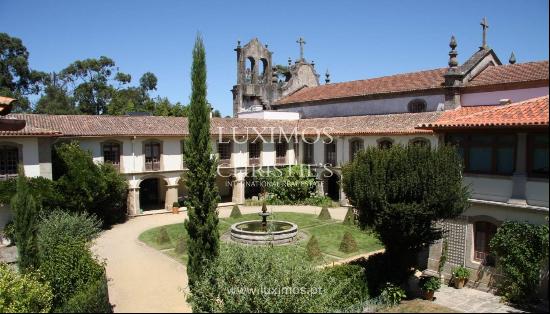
[102, 126]
[528, 113]
[512, 73]
[417, 81]
[424, 80]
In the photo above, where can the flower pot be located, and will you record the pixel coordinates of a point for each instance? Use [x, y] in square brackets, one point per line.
[459, 283]
[429, 295]
[175, 210]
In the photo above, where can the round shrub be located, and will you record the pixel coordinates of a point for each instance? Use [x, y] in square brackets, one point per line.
[92, 298]
[313, 250]
[348, 244]
[25, 293]
[61, 225]
[163, 236]
[236, 212]
[324, 214]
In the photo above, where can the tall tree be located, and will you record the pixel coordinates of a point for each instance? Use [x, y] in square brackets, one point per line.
[55, 101]
[25, 220]
[401, 193]
[17, 80]
[202, 225]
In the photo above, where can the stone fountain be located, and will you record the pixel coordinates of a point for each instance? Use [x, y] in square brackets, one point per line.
[264, 231]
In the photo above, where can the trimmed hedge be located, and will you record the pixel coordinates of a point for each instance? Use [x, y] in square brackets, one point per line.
[313, 250]
[324, 214]
[236, 212]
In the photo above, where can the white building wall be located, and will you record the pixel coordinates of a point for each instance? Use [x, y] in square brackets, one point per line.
[492, 98]
[364, 107]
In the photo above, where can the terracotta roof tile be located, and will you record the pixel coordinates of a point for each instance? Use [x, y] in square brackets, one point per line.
[531, 112]
[511, 73]
[101, 126]
[424, 80]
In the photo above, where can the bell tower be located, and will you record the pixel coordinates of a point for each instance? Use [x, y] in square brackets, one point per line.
[255, 83]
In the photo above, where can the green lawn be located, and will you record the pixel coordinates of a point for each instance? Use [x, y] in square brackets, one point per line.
[329, 233]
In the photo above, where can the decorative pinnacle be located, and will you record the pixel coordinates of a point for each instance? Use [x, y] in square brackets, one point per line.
[238, 44]
[289, 61]
[512, 58]
[484, 25]
[327, 77]
[301, 42]
[453, 62]
[312, 63]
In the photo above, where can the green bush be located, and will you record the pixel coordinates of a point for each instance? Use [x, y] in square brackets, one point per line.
[357, 281]
[65, 258]
[25, 293]
[9, 232]
[313, 250]
[348, 244]
[7, 190]
[43, 190]
[181, 245]
[163, 236]
[317, 200]
[267, 279]
[392, 295]
[521, 250]
[236, 212]
[349, 219]
[92, 298]
[430, 283]
[61, 225]
[88, 187]
[289, 185]
[324, 214]
[176, 204]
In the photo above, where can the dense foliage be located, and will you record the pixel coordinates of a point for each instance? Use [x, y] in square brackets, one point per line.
[25, 220]
[26, 293]
[202, 225]
[392, 295]
[89, 187]
[401, 192]
[262, 279]
[288, 185]
[522, 252]
[88, 86]
[67, 262]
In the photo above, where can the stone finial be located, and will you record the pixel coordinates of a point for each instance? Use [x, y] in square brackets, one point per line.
[327, 77]
[312, 63]
[453, 62]
[301, 42]
[512, 58]
[238, 44]
[289, 61]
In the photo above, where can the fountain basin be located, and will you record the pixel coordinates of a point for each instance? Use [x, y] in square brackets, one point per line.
[252, 232]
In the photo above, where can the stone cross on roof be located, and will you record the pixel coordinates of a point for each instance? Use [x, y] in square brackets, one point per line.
[484, 25]
[301, 41]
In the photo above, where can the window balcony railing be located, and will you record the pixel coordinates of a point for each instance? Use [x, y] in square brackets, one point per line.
[152, 165]
[254, 161]
[7, 176]
[226, 162]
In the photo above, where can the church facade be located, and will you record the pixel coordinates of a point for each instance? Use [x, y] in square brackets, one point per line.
[496, 113]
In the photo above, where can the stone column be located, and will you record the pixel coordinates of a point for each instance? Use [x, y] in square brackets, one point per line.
[171, 196]
[238, 188]
[133, 201]
[520, 175]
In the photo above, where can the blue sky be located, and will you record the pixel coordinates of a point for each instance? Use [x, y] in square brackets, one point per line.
[353, 39]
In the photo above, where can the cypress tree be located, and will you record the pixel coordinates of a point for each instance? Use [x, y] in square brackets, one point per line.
[25, 222]
[202, 225]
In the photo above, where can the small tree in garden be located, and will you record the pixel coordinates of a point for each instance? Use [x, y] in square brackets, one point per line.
[348, 244]
[163, 236]
[235, 212]
[313, 250]
[401, 192]
[349, 219]
[202, 225]
[522, 250]
[25, 221]
[324, 214]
